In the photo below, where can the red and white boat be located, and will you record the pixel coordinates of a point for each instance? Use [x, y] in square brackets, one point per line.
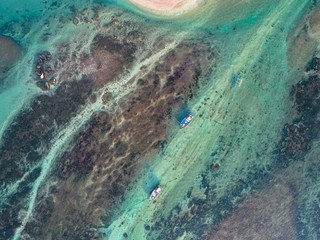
[155, 193]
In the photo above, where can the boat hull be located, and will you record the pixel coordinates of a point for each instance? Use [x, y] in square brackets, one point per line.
[186, 121]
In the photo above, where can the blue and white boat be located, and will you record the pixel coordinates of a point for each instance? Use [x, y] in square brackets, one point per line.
[186, 121]
[237, 81]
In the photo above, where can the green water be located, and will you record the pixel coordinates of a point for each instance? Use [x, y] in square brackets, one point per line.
[238, 128]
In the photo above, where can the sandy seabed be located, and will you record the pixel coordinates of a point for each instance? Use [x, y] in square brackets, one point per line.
[168, 7]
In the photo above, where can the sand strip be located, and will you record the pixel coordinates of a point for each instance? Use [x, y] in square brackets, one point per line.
[168, 7]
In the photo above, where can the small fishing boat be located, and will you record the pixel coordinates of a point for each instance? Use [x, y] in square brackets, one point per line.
[186, 121]
[237, 81]
[155, 193]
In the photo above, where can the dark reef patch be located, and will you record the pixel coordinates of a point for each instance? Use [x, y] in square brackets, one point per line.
[124, 48]
[9, 222]
[298, 135]
[35, 126]
[109, 57]
[314, 64]
[84, 153]
[28, 139]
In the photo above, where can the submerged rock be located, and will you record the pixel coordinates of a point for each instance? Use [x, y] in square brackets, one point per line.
[298, 135]
[44, 71]
[215, 166]
[204, 227]
[313, 64]
[53, 81]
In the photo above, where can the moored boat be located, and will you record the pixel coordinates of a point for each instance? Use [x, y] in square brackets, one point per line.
[186, 121]
[155, 193]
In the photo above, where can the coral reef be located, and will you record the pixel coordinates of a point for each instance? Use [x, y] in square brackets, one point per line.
[298, 135]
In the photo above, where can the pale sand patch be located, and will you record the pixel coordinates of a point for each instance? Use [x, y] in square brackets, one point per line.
[303, 40]
[168, 7]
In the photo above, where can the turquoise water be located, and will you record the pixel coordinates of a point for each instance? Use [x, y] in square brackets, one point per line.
[63, 173]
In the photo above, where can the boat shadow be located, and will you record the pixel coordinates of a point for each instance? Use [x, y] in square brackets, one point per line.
[151, 184]
[184, 111]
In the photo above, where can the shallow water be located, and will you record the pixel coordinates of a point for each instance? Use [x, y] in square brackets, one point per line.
[80, 159]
